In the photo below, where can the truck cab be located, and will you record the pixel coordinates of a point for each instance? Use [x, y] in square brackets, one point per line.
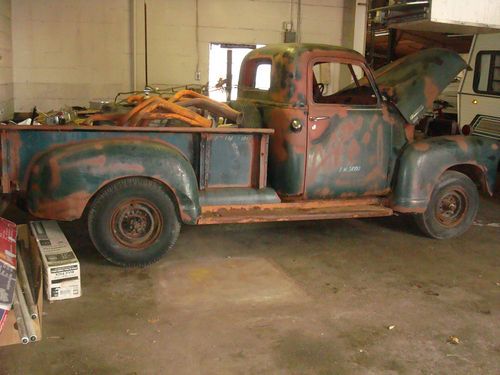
[340, 138]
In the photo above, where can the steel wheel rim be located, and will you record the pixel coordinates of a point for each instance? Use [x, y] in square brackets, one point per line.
[451, 208]
[136, 223]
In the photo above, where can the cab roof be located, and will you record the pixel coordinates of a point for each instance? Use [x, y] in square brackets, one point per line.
[289, 70]
[295, 50]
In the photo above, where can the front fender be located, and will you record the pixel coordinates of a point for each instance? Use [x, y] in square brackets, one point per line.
[63, 180]
[424, 161]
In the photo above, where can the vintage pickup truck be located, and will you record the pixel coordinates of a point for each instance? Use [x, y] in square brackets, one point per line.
[309, 150]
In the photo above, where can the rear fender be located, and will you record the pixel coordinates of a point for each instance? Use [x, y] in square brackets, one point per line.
[423, 162]
[63, 180]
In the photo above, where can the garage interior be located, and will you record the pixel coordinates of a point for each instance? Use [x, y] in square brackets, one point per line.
[348, 296]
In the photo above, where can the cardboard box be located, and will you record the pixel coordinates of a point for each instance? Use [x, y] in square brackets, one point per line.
[61, 269]
[33, 262]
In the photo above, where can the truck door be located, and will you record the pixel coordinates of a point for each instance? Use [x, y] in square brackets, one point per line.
[349, 133]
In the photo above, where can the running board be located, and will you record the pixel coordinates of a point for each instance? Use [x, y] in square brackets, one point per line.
[312, 210]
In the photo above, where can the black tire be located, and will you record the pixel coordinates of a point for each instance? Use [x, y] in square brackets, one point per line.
[133, 222]
[452, 208]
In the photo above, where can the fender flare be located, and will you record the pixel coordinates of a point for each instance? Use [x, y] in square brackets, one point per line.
[422, 163]
[63, 180]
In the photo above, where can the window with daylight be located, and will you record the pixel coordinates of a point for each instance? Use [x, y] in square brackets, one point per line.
[337, 83]
[487, 73]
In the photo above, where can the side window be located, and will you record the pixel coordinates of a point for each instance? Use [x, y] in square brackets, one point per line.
[263, 76]
[487, 73]
[258, 74]
[336, 83]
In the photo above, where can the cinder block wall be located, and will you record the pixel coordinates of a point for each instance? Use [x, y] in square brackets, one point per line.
[68, 52]
[6, 85]
[172, 47]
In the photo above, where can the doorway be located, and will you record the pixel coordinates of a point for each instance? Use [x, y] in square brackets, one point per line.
[224, 69]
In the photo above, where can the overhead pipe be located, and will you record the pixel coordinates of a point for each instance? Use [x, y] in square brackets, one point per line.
[146, 45]
[299, 20]
[133, 32]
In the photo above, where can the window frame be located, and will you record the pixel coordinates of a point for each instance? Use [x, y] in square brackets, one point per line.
[477, 73]
[253, 65]
[353, 63]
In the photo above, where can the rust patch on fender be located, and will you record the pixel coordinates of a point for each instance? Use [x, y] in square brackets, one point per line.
[431, 91]
[421, 146]
[69, 208]
[409, 132]
[459, 140]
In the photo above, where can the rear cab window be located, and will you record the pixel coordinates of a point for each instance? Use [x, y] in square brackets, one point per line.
[258, 74]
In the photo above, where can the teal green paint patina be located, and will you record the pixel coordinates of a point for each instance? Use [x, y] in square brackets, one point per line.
[318, 151]
[424, 161]
[64, 179]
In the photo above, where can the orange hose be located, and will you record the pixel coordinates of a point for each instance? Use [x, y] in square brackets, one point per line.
[160, 103]
[102, 117]
[135, 99]
[142, 113]
[139, 107]
[179, 94]
[161, 116]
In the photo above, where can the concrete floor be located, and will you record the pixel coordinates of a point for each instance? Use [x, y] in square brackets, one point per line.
[282, 298]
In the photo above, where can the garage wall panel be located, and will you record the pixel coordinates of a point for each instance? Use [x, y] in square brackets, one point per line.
[171, 26]
[68, 52]
[6, 85]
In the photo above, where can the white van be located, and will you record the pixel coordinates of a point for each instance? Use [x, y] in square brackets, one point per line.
[479, 91]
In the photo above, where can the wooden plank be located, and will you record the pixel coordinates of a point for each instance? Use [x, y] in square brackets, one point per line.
[263, 157]
[439, 27]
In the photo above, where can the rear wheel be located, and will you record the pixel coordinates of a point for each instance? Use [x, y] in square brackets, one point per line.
[452, 208]
[133, 222]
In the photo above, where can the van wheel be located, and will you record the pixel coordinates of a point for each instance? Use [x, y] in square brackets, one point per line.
[133, 222]
[452, 208]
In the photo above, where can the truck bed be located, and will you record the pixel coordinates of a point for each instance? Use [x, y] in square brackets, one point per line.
[220, 157]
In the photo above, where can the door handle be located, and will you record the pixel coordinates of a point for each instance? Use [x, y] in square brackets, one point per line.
[318, 118]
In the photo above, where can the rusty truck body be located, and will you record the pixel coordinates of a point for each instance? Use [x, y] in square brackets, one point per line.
[309, 150]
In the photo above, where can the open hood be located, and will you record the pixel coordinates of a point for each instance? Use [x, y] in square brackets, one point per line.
[413, 82]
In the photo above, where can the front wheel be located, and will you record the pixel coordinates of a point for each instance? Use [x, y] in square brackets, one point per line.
[452, 208]
[133, 222]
